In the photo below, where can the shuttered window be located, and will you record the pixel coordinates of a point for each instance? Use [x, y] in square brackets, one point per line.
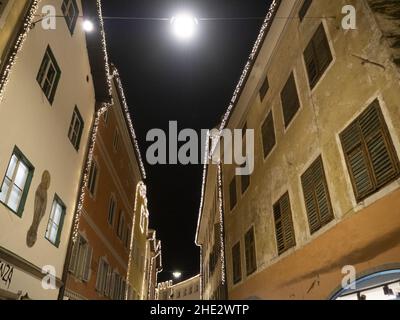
[268, 135]
[76, 129]
[250, 251]
[285, 236]
[236, 263]
[264, 88]
[81, 259]
[290, 100]
[232, 193]
[304, 8]
[370, 155]
[93, 176]
[71, 12]
[317, 56]
[316, 196]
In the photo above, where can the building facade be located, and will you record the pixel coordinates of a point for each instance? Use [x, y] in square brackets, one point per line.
[187, 290]
[323, 200]
[50, 95]
[100, 257]
[154, 262]
[209, 239]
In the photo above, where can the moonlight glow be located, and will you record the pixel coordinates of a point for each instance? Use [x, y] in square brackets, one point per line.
[184, 26]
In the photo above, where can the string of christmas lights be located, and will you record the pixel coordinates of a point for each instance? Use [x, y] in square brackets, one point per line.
[271, 12]
[221, 216]
[116, 76]
[26, 27]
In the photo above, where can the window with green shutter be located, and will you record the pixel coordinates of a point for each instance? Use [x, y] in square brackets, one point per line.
[268, 134]
[304, 9]
[16, 182]
[290, 100]
[232, 193]
[76, 129]
[56, 221]
[285, 237]
[316, 196]
[317, 56]
[49, 75]
[71, 12]
[236, 263]
[371, 158]
[250, 252]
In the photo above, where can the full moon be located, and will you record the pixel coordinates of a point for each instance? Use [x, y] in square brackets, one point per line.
[184, 26]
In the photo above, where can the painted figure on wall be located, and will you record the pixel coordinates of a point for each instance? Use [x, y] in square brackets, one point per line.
[39, 208]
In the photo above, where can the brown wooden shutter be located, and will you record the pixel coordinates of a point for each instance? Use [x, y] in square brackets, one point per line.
[317, 56]
[268, 134]
[290, 100]
[370, 155]
[236, 262]
[316, 196]
[250, 251]
[284, 225]
[264, 88]
[232, 193]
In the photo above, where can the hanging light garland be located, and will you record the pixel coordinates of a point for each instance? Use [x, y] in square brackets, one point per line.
[221, 217]
[26, 27]
[116, 76]
[261, 36]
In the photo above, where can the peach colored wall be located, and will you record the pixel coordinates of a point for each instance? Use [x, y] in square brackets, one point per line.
[368, 240]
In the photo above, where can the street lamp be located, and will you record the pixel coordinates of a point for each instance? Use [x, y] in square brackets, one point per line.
[184, 26]
[177, 274]
[88, 25]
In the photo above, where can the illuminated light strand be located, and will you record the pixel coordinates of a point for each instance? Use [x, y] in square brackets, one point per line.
[201, 273]
[221, 216]
[88, 165]
[116, 76]
[144, 275]
[104, 45]
[27, 26]
[248, 67]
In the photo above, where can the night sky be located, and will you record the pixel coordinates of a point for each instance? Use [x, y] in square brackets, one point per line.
[192, 83]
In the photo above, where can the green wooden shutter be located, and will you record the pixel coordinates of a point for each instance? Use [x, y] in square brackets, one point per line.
[74, 256]
[311, 64]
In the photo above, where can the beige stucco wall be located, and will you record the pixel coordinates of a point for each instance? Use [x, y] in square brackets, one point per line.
[346, 89]
[40, 131]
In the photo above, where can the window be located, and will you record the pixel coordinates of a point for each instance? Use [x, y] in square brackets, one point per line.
[71, 12]
[142, 218]
[237, 264]
[93, 174]
[106, 115]
[121, 225]
[245, 179]
[268, 135]
[127, 237]
[49, 75]
[116, 140]
[285, 237]
[111, 210]
[102, 276]
[250, 250]
[81, 259]
[76, 129]
[290, 100]
[317, 56]
[264, 88]
[190, 290]
[16, 183]
[304, 8]
[369, 152]
[56, 221]
[232, 193]
[316, 196]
